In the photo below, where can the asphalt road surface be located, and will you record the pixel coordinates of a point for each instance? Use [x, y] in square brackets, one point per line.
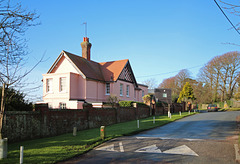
[202, 138]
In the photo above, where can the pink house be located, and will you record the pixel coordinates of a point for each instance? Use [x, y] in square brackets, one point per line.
[73, 80]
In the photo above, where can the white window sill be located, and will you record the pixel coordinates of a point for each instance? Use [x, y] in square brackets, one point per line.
[121, 95]
[107, 94]
[63, 92]
[49, 92]
[128, 96]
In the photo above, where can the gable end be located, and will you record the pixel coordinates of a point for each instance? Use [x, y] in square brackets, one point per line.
[127, 75]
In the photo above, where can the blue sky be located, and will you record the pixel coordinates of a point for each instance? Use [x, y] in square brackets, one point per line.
[156, 36]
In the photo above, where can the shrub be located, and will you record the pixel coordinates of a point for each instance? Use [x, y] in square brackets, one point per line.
[141, 104]
[161, 104]
[126, 103]
[112, 99]
[146, 98]
[15, 101]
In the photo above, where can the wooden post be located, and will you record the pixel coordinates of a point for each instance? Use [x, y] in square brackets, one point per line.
[102, 132]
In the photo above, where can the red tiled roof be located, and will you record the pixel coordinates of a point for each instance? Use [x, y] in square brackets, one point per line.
[111, 70]
[105, 71]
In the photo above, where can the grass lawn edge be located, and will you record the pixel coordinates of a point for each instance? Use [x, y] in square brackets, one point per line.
[125, 134]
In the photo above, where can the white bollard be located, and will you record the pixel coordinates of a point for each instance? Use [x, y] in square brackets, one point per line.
[189, 112]
[194, 111]
[137, 123]
[180, 113]
[168, 113]
[21, 154]
[170, 116]
[154, 119]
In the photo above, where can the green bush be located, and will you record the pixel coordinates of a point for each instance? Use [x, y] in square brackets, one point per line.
[229, 103]
[15, 100]
[126, 103]
[161, 104]
[141, 104]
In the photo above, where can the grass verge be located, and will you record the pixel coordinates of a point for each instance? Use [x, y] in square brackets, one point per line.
[58, 148]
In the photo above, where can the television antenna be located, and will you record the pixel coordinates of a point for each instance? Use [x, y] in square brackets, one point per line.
[85, 23]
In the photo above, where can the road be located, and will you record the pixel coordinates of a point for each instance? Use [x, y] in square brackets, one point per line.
[202, 138]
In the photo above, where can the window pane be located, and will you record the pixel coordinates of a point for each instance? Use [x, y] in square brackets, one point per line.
[62, 105]
[164, 94]
[107, 88]
[49, 85]
[127, 90]
[121, 89]
[63, 84]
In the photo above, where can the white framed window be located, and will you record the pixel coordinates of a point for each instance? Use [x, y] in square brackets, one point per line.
[62, 105]
[63, 84]
[107, 89]
[49, 85]
[142, 93]
[164, 95]
[127, 91]
[121, 89]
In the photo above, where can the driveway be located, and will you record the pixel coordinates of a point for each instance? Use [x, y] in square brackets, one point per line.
[202, 138]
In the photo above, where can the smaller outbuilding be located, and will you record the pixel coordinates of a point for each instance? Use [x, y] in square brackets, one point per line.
[163, 94]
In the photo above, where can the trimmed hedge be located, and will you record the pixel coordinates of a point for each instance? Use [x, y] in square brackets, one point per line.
[126, 103]
[161, 104]
[130, 103]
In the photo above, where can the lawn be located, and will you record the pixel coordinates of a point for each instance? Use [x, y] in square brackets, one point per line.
[54, 149]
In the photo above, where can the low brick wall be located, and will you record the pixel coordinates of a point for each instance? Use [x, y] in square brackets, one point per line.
[45, 122]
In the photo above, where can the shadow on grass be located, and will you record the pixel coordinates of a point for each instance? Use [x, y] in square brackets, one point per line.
[59, 148]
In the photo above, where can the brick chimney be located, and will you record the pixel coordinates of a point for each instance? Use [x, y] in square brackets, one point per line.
[86, 46]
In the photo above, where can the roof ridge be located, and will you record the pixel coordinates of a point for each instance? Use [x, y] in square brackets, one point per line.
[114, 61]
[89, 64]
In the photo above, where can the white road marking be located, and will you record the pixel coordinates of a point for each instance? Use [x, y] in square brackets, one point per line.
[167, 138]
[237, 151]
[107, 148]
[183, 150]
[121, 147]
[149, 149]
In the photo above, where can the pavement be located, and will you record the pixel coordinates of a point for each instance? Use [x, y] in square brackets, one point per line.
[202, 138]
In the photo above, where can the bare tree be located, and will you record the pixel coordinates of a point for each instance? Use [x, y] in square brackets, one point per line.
[14, 21]
[151, 83]
[221, 74]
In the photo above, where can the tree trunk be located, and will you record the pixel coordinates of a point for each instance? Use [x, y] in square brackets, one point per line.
[2, 110]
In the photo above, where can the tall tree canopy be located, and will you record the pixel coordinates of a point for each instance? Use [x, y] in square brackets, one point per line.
[221, 74]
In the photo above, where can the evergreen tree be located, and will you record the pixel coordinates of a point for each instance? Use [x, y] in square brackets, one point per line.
[186, 94]
[15, 101]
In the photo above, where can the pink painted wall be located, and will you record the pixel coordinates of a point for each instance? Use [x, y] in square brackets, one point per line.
[115, 89]
[95, 91]
[64, 66]
[79, 88]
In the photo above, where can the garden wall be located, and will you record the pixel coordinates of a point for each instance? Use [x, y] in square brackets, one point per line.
[44, 122]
